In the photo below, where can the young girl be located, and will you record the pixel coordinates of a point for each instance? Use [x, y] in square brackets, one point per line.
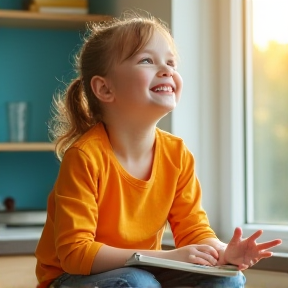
[121, 178]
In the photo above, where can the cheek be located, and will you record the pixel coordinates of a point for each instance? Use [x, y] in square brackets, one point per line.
[179, 84]
[134, 80]
[141, 78]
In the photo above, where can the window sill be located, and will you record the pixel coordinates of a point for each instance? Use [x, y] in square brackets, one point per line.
[277, 263]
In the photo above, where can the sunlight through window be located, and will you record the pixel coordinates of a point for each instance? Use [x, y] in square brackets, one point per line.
[267, 196]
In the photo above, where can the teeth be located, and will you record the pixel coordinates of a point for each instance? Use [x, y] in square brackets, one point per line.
[164, 88]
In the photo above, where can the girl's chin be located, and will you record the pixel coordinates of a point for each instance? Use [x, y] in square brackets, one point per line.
[165, 109]
[168, 102]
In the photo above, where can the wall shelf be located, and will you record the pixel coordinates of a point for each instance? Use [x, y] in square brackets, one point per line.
[27, 19]
[26, 146]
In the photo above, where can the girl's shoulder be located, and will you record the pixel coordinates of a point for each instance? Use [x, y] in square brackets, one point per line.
[168, 139]
[173, 148]
[95, 139]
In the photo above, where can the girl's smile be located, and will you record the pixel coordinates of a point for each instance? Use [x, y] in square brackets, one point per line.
[163, 88]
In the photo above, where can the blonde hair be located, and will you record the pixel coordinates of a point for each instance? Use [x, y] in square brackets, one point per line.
[76, 110]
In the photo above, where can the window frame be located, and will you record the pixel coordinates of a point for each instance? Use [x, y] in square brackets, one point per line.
[271, 231]
[239, 74]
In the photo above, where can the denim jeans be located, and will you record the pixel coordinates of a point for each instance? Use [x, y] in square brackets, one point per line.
[147, 277]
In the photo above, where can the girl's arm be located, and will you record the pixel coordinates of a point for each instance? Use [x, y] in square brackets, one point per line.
[109, 258]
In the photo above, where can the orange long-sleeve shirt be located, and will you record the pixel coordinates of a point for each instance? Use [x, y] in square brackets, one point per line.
[95, 201]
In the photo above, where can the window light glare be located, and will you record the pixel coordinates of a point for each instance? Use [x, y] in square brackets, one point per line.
[270, 22]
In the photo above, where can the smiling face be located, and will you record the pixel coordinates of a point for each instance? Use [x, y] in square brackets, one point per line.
[147, 83]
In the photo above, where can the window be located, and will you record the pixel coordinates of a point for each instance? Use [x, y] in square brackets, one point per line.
[266, 116]
[267, 113]
[243, 160]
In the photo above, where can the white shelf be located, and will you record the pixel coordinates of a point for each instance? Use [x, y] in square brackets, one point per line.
[23, 217]
[20, 233]
[27, 19]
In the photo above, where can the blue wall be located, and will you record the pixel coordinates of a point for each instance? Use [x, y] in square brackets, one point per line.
[34, 63]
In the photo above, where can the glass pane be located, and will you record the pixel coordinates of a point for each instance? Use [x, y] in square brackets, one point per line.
[270, 111]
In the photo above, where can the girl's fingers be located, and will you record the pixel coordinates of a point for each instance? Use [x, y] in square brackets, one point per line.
[265, 254]
[255, 235]
[203, 259]
[243, 267]
[208, 250]
[200, 261]
[270, 244]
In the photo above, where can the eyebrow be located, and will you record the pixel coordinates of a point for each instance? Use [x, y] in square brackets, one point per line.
[150, 51]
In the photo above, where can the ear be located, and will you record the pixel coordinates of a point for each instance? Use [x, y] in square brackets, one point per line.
[101, 89]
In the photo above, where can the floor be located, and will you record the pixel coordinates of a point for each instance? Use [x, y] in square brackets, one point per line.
[17, 272]
[265, 279]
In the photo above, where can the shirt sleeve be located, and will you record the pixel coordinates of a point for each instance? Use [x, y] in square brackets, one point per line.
[76, 212]
[188, 220]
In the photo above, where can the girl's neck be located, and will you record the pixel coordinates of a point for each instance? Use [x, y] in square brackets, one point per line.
[133, 146]
[130, 142]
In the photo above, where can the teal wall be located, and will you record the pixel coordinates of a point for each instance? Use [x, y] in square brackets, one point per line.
[28, 177]
[34, 63]
[12, 4]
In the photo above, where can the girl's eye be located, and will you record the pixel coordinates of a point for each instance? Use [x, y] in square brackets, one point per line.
[146, 61]
[172, 64]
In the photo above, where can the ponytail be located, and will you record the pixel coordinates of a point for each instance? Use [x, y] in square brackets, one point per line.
[71, 117]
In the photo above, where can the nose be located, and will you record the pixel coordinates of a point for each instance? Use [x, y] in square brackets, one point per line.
[165, 71]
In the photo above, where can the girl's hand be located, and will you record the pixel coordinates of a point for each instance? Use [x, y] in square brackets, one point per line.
[197, 254]
[246, 252]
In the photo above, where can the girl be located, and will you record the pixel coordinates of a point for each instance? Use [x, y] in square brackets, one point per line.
[121, 178]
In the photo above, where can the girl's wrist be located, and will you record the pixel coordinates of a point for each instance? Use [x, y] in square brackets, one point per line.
[222, 259]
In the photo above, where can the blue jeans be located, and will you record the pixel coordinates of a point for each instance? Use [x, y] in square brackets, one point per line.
[147, 277]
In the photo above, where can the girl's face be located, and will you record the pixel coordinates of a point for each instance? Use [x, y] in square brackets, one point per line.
[147, 83]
